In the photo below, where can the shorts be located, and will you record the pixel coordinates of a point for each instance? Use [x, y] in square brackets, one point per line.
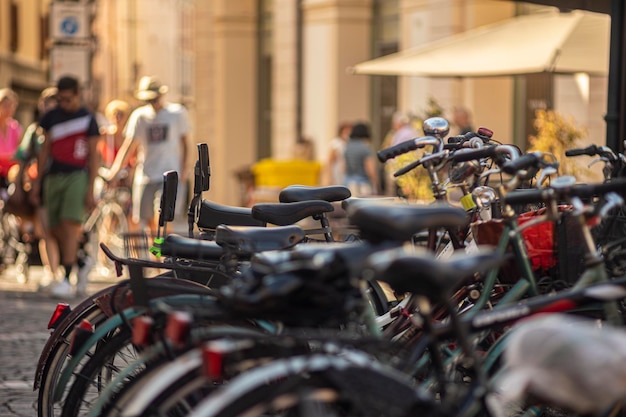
[146, 200]
[65, 197]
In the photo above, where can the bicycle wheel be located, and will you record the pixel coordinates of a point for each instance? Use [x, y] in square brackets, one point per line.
[57, 359]
[110, 357]
[114, 354]
[131, 397]
[55, 354]
[314, 386]
[160, 386]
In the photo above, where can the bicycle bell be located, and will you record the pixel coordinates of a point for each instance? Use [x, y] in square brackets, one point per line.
[436, 126]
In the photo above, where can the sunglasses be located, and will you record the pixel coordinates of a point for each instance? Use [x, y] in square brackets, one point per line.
[62, 99]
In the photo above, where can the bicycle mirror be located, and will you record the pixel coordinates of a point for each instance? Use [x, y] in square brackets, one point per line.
[205, 165]
[168, 198]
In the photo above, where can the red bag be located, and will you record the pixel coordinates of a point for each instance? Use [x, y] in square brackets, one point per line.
[539, 241]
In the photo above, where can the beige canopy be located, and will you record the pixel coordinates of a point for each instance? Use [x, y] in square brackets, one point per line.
[545, 42]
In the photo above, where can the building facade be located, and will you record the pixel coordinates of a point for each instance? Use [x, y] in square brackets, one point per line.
[24, 51]
[257, 75]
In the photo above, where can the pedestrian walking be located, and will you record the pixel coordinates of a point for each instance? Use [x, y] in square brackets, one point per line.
[157, 133]
[361, 174]
[10, 134]
[335, 165]
[27, 154]
[68, 164]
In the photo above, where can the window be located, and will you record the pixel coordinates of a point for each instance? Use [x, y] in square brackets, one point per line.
[14, 31]
[386, 22]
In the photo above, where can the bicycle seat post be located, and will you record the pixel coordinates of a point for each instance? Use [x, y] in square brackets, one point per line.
[326, 229]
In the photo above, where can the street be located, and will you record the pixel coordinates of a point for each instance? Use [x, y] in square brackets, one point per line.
[24, 314]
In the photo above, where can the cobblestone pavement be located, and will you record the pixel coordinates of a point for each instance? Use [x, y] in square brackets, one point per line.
[24, 315]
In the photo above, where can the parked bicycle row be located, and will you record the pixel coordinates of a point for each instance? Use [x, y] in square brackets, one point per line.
[413, 310]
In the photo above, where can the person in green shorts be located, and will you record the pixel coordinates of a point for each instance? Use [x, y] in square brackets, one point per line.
[68, 162]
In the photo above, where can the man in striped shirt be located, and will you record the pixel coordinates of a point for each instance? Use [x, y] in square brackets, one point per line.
[68, 164]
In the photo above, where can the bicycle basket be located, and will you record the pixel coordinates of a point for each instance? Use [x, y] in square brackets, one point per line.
[136, 245]
[538, 239]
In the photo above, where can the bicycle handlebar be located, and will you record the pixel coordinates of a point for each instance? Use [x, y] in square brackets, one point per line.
[526, 161]
[577, 190]
[590, 150]
[466, 154]
[408, 146]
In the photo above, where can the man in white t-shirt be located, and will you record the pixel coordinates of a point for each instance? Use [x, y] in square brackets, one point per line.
[158, 131]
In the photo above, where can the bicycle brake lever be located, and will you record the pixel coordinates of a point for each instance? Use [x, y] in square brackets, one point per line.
[611, 200]
[545, 175]
[599, 159]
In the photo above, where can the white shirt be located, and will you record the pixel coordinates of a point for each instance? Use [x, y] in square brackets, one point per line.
[159, 134]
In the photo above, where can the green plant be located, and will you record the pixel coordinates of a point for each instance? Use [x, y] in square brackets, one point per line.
[556, 134]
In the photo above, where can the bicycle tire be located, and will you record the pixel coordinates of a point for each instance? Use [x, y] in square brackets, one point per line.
[351, 389]
[57, 357]
[94, 371]
[56, 360]
[168, 377]
[103, 359]
[121, 400]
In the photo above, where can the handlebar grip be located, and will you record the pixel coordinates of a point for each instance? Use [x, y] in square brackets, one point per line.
[527, 196]
[589, 150]
[463, 155]
[399, 149]
[523, 162]
[617, 185]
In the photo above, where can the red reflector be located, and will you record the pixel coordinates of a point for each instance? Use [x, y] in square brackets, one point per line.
[60, 312]
[142, 331]
[483, 131]
[82, 332]
[213, 359]
[178, 327]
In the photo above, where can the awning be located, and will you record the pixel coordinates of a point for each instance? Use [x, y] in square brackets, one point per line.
[556, 42]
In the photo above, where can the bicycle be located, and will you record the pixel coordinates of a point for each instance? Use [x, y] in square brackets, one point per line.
[430, 216]
[404, 270]
[242, 394]
[107, 223]
[15, 248]
[404, 231]
[54, 358]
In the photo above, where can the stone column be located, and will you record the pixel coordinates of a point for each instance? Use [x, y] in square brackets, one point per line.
[336, 36]
[225, 82]
[285, 78]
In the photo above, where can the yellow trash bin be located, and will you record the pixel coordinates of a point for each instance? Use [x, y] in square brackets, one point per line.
[275, 173]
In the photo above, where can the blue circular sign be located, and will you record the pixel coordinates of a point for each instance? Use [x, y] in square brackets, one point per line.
[69, 25]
